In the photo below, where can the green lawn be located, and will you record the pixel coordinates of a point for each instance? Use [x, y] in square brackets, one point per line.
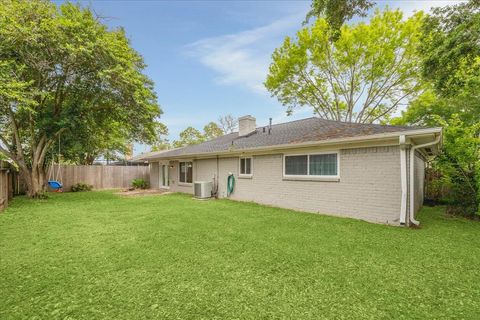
[100, 256]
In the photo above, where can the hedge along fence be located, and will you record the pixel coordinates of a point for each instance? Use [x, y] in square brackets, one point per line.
[100, 177]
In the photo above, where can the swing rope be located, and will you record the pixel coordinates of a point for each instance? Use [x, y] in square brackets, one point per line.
[59, 172]
[54, 179]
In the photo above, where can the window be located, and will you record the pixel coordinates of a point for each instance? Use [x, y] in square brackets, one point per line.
[317, 165]
[296, 165]
[323, 164]
[186, 172]
[246, 166]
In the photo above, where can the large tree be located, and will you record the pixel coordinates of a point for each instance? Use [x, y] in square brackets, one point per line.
[450, 55]
[450, 50]
[63, 73]
[363, 76]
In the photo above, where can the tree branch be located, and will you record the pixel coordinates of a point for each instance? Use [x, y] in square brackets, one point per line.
[48, 145]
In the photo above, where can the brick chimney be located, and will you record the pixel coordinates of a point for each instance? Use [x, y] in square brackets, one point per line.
[246, 124]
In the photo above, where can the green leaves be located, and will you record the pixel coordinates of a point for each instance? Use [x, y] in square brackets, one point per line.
[80, 76]
[361, 76]
[191, 136]
[451, 37]
[62, 70]
[450, 54]
[337, 12]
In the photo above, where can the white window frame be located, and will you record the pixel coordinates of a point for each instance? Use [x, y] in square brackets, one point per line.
[308, 176]
[245, 175]
[179, 169]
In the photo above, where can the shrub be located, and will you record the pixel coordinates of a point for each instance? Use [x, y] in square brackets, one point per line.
[139, 183]
[79, 187]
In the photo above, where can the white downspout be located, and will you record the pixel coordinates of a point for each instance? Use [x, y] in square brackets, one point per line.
[412, 177]
[403, 179]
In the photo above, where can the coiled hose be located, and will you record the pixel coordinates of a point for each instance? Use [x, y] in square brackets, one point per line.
[230, 184]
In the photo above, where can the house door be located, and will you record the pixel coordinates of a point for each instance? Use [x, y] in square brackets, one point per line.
[165, 183]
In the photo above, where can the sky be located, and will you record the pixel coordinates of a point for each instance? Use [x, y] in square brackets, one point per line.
[210, 58]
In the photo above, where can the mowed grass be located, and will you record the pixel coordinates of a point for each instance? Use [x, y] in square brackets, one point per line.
[100, 256]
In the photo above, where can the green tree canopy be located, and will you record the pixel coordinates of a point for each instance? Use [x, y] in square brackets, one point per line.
[188, 137]
[363, 76]
[191, 136]
[64, 73]
[337, 12]
[212, 131]
[450, 49]
[450, 41]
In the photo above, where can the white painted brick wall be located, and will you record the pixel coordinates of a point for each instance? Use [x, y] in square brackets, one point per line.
[154, 175]
[419, 172]
[369, 186]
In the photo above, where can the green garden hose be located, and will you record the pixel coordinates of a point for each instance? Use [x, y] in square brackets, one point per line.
[230, 184]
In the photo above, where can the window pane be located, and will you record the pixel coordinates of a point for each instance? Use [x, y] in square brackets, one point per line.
[189, 172]
[296, 165]
[182, 171]
[248, 166]
[242, 166]
[323, 164]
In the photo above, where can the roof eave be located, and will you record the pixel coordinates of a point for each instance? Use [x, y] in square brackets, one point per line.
[373, 137]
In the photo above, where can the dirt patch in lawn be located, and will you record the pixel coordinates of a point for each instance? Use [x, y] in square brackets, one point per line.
[141, 192]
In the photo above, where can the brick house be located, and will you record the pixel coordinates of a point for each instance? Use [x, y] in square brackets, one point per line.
[365, 171]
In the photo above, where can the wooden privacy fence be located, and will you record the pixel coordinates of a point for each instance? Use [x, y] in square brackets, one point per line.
[100, 177]
[8, 184]
[4, 188]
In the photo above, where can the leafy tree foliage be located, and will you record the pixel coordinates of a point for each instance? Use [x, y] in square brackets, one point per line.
[188, 137]
[212, 131]
[459, 164]
[363, 76]
[451, 38]
[62, 72]
[191, 135]
[451, 65]
[337, 12]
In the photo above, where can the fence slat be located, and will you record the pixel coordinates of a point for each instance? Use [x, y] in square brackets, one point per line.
[101, 177]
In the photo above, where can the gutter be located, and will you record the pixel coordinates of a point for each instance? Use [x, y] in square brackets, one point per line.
[412, 177]
[403, 178]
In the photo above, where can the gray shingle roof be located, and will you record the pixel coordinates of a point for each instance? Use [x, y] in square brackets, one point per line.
[294, 132]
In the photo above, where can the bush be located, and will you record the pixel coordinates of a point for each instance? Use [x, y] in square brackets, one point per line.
[139, 184]
[79, 187]
[459, 166]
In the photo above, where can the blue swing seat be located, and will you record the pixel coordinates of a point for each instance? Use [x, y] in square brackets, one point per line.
[55, 184]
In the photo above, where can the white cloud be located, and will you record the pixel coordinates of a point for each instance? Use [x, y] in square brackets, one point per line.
[243, 58]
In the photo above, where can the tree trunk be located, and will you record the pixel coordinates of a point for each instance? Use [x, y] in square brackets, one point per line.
[35, 181]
